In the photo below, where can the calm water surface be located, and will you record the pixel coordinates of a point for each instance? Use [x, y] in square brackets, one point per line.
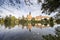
[19, 32]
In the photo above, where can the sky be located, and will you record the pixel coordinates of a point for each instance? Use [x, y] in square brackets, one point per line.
[7, 9]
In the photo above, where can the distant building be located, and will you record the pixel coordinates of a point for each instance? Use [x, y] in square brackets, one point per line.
[37, 18]
[47, 17]
[29, 16]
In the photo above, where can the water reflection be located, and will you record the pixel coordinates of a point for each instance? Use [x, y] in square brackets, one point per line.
[28, 26]
[25, 31]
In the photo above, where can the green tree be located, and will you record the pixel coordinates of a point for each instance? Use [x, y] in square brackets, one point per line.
[7, 21]
[51, 22]
[13, 19]
[45, 21]
[33, 21]
[50, 6]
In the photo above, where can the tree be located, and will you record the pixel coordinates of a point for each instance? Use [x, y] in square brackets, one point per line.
[45, 21]
[50, 6]
[7, 21]
[51, 22]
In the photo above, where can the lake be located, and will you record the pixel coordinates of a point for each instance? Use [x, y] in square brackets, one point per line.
[23, 32]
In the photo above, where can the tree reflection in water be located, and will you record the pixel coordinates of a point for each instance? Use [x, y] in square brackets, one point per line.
[27, 25]
[53, 37]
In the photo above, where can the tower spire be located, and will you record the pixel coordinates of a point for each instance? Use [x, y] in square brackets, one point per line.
[29, 13]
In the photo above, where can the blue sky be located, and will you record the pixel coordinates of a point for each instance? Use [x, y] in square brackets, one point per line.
[23, 10]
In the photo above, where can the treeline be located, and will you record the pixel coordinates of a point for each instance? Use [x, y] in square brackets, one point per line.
[12, 20]
[9, 21]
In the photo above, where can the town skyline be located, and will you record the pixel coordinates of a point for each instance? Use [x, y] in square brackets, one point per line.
[25, 15]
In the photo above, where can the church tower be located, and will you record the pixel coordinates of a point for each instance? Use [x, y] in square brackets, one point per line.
[29, 16]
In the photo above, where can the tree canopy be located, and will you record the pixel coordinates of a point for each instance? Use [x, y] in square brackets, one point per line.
[51, 6]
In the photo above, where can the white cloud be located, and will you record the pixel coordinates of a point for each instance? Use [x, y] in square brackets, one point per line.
[23, 10]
